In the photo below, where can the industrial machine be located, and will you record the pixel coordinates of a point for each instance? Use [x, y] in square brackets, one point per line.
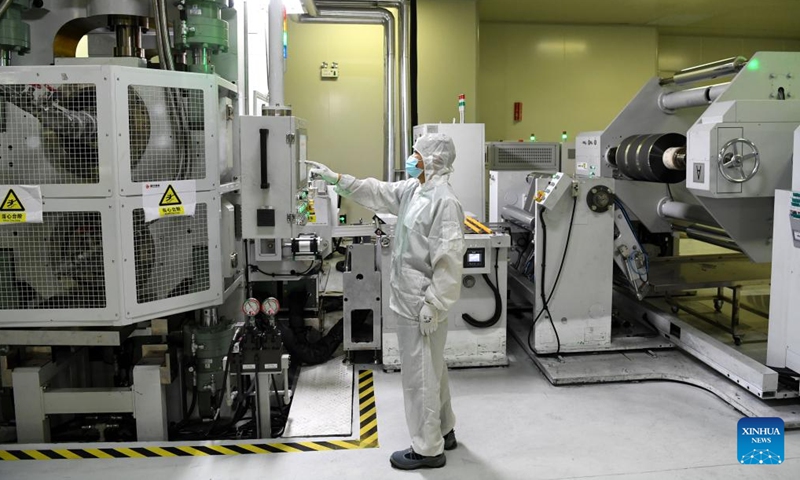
[513, 167]
[561, 239]
[702, 162]
[124, 276]
[783, 349]
[160, 249]
[476, 324]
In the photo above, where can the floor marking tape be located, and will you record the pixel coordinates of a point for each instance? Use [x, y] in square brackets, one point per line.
[368, 438]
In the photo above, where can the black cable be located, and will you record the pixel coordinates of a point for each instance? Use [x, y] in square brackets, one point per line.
[669, 191]
[281, 407]
[182, 136]
[498, 301]
[227, 371]
[283, 275]
[188, 413]
[545, 307]
[558, 275]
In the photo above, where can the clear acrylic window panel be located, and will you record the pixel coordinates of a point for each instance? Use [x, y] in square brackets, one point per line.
[48, 134]
[58, 264]
[166, 133]
[171, 255]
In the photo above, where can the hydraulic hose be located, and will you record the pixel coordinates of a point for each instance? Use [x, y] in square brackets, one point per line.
[498, 308]
[498, 301]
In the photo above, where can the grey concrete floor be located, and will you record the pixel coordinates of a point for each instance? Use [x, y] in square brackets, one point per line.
[512, 424]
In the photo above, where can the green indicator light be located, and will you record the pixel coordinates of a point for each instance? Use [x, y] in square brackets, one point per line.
[754, 64]
[533, 137]
[564, 136]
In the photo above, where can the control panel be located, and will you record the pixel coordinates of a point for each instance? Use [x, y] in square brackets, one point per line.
[556, 187]
[474, 258]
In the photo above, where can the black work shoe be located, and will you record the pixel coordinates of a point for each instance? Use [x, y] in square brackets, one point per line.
[410, 460]
[450, 442]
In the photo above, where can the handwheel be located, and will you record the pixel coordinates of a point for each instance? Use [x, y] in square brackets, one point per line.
[732, 157]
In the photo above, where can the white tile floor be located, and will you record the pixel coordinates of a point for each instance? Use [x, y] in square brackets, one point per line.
[512, 425]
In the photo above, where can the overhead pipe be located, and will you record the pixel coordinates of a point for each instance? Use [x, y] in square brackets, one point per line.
[275, 52]
[162, 35]
[404, 20]
[370, 16]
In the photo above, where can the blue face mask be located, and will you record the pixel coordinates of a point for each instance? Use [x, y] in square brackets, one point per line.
[412, 169]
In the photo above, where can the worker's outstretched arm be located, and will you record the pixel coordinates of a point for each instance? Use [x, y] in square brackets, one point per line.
[374, 194]
[447, 246]
[371, 193]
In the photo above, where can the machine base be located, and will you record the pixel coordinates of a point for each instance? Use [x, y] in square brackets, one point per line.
[662, 365]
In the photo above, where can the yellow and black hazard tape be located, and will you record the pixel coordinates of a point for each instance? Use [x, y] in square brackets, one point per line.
[368, 438]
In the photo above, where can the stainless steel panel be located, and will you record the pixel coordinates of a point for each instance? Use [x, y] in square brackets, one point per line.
[362, 299]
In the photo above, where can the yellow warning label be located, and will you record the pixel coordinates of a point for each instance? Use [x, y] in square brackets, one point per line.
[12, 217]
[170, 203]
[11, 203]
[12, 210]
[170, 197]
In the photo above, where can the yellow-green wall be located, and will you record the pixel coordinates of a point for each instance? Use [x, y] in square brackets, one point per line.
[447, 35]
[345, 116]
[573, 78]
[577, 78]
[568, 77]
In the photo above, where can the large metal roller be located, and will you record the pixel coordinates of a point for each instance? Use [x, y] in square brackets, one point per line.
[651, 158]
[707, 71]
[519, 216]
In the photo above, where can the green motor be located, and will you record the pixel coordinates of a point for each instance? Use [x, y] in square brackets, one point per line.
[202, 32]
[15, 35]
[207, 346]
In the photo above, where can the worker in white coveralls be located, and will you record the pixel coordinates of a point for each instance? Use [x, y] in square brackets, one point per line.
[427, 264]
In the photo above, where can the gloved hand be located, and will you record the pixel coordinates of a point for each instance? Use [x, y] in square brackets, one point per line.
[320, 170]
[428, 321]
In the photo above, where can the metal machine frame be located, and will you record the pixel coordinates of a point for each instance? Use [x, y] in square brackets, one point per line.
[736, 154]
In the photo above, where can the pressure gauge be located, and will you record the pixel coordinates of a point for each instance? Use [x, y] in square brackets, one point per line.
[251, 307]
[271, 306]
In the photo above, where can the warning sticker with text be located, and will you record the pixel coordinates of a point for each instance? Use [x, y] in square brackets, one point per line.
[21, 204]
[166, 199]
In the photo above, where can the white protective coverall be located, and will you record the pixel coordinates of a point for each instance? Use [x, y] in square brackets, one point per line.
[427, 266]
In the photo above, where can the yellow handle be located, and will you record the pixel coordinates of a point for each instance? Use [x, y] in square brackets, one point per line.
[475, 223]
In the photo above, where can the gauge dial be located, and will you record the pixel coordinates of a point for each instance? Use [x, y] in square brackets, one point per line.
[251, 307]
[271, 306]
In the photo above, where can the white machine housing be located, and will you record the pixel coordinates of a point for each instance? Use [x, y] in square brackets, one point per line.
[581, 302]
[278, 203]
[513, 166]
[747, 107]
[94, 260]
[783, 348]
[469, 176]
[466, 346]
